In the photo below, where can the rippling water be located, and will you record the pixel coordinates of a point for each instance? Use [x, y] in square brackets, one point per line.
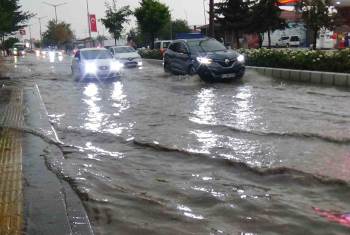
[160, 154]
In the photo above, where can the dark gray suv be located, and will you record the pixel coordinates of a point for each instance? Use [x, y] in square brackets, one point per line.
[206, 57]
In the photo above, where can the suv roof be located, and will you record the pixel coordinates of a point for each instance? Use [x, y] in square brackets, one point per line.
[192, 39]
[93, 49]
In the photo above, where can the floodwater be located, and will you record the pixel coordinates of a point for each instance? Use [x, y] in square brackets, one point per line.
[154, 153]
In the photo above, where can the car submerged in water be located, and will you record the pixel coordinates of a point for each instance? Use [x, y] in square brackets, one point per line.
[95, 64]
[207, 57]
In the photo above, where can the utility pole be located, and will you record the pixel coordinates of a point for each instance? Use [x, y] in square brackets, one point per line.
[88, 17]
[30, 37]
[205, 13]
[40, 18]
[211, 19]
[55, 6]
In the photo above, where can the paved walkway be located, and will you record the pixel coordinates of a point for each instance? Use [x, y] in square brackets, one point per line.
[11, 191]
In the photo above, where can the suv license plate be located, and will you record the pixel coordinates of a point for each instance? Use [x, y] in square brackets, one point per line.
[229, 75]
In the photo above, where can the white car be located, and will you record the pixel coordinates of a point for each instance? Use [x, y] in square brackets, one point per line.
[95, 63]
[126, 55]
[286, 41]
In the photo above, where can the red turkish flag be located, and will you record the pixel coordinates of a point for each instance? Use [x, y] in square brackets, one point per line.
[93, 23]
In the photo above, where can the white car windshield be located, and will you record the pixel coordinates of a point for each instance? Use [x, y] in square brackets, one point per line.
[95, 55]
[124, 49]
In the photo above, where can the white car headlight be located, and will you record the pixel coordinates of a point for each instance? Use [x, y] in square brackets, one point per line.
[116, 66]
[240, 58]
[204, 60]
[90, 68]
[139, 63]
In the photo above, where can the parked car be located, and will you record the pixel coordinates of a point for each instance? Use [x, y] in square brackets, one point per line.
[206, 57]
[95, 63]
[288, 41]
[162, 45]
[126, 55]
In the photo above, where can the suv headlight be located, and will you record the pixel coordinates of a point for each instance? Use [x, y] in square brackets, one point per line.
[204, 60]
[240, 58]
[116, 66]
[90, 68]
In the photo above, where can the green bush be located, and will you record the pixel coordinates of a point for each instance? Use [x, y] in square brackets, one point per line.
[330, 61]
[151, 54]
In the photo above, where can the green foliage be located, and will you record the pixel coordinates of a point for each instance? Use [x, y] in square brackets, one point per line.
[151, 54]
[330, 61]
[234, 15]
[11, 17]
[115, 19]
[266, 17]
[59, 34]
[152, 16]
[170, 30]
[318, 14]
[8, 43]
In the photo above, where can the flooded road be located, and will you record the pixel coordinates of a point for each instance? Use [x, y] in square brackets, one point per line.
[154, 153]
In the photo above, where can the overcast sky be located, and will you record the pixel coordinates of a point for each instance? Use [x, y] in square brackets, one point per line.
[74, 12]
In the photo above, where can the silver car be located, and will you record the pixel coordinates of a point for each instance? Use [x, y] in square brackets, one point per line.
[126, 55]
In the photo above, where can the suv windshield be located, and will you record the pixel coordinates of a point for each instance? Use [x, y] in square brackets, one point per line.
[124, 49]
[95, 55]
[208, 45]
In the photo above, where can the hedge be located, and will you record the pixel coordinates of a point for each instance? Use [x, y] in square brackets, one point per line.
[151, 54]
[303, 59]
[330, 61]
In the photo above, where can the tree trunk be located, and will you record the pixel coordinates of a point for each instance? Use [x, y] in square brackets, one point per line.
[261, 39]
[153, 36]
[237, 40]
[269, 38]
[115, 41]
[314, 40]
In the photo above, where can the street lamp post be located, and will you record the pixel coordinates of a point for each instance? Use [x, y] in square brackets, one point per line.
[40, 18]
[55, 6]
[88, 17]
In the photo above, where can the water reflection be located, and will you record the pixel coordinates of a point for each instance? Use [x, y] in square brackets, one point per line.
[120, 103]
[188, 212]
[204, 112]
[94, 115]
[244, 115]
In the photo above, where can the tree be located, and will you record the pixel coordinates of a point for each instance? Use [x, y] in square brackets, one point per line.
[235, 16]
[318, 14]
[101, 39]
[59, 34]
[11, 17]
[266, 17]
[170, 30]
[8, 43]
[115, 19]
[152, 16]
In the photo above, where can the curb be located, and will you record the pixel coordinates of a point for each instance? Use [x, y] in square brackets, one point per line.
[50, 204]
[306, 76]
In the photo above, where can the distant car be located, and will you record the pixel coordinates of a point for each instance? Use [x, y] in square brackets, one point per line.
[95, 63]
[18, 49]
[294, 41]
[288, 41]
[162, 45]
[126, 55]
[207, 57]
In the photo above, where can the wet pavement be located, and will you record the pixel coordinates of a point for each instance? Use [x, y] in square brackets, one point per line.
[154, 153]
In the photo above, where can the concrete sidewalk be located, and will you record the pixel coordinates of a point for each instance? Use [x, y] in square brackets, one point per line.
[33, 199]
